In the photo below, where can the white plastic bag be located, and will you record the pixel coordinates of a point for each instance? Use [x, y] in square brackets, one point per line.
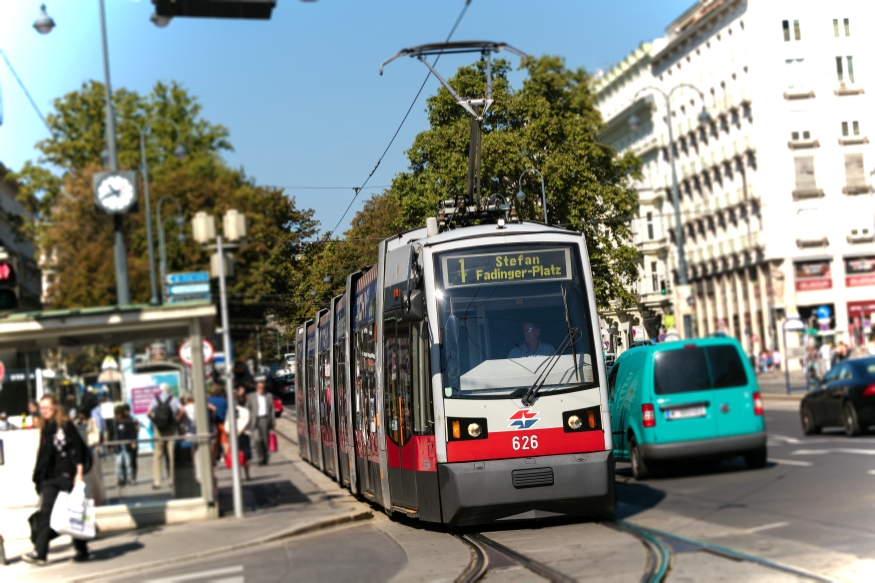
[73, 514]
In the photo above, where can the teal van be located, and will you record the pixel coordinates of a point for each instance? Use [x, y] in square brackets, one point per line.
[685, 400]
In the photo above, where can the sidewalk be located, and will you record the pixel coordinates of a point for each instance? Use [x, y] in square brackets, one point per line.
[773, 385]
[285, 498]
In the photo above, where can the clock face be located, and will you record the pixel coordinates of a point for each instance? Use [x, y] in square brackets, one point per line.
[115, 193]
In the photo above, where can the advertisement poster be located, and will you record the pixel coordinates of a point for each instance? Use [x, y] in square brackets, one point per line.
[141, 389]
[859, 271]
[813, 275]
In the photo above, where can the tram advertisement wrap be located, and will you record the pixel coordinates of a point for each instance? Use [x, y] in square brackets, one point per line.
[522, 266]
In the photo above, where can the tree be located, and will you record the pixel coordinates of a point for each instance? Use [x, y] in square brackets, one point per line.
[76, 242]
[550, 124]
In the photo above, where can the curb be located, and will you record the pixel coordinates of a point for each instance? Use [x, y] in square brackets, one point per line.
[306, 528]
[791, 397]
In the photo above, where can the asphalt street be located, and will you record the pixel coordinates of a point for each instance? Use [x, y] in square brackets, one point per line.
[811, 508]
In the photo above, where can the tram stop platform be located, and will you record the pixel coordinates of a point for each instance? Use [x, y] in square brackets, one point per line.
[286, 498]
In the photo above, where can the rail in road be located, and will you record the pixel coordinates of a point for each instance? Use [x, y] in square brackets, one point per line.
[485, 551]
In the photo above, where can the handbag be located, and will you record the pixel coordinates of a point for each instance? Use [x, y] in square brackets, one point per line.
[239, 459]
[272, 444]
[73, 514]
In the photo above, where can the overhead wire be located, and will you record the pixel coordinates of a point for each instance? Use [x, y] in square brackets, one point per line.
[404, 119]
[26, 92]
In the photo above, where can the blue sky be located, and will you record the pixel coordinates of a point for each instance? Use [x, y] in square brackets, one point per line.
[300, 93]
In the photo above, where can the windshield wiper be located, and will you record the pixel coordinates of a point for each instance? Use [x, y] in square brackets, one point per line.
[570, 332]
[530, 395]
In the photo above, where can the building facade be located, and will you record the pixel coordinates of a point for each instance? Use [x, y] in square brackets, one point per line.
[775, 190]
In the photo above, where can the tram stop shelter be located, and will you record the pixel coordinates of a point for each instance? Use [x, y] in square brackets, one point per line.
[112, 325]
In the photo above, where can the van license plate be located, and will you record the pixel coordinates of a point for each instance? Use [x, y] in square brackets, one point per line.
[685, 413]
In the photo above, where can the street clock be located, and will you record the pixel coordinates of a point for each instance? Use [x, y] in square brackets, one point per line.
[115, 193]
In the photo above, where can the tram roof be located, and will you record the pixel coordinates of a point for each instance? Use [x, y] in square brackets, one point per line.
[478, 231]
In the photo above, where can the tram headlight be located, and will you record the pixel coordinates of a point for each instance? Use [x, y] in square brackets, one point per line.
[588, 419]
[467, 428]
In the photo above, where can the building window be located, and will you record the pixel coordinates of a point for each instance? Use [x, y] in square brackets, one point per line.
[846, 26]
[847, 128]
[797, 33]
[845, 70]
[654, 276]
[805, 136]
[805, 173]
[795, 74]
[855, 175]
[650, 226]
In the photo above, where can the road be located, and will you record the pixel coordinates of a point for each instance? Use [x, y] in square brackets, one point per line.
[810, 508]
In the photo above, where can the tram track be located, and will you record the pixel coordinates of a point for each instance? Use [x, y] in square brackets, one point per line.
[479, 567]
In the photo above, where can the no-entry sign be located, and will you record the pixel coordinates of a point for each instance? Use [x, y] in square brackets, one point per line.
[185, 352]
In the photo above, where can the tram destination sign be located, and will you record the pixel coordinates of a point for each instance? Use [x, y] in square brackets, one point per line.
[517, 266]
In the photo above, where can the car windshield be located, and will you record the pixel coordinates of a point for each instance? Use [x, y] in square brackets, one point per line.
[513, 317]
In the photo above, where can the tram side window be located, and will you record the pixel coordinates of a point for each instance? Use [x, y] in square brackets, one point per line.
[358, 387]
[340, 380]
[397, 383]
[311, 389]
[325, 390]
[369, 382]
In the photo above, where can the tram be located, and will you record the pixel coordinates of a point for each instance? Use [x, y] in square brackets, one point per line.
[460, 379]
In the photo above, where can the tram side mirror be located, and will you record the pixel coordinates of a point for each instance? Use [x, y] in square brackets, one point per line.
[413, 308]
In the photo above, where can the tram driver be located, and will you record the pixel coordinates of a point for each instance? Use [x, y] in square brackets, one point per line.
[531, 346]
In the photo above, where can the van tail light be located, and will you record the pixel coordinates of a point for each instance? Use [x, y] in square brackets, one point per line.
[757, 403]
[869, 391]
[648, 415]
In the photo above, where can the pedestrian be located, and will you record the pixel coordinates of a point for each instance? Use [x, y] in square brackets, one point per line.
[62, 461]
[5, 425]
[135, 435]
[262, 418]
[220, 405]
[842, 351]
[165, 412]
[776, 359]
[189, 427]
[34, 421]
[244, 443]
[87, 428]
[125, 432]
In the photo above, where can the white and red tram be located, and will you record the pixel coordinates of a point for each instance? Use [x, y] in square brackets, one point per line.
[429, 398]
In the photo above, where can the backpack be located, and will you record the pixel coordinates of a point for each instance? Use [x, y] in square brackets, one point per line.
[163, 415]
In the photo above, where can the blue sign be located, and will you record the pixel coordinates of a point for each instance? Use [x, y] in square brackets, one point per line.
[823, 313]
[189, 289]
[183, 299]
[189, 277]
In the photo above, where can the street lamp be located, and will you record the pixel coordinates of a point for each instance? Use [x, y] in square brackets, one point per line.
[204, 230]
[180, 153]
[44, 23]
[634, 124]
[520, 195]
[158, 20]
[162, 248]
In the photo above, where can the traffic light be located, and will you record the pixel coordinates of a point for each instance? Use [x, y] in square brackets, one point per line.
[662, 287]
[8, 284]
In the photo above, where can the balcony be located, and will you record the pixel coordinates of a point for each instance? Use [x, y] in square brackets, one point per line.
[856, 185]
[806, 188]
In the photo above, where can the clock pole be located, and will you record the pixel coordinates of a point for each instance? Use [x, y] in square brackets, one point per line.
[122, 288]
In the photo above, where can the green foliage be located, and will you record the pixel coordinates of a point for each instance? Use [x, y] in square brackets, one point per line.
[550, 124]
[77, 242]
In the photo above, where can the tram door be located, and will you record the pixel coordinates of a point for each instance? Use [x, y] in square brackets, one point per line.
[312, 398]
[398, 405]
[365, 414]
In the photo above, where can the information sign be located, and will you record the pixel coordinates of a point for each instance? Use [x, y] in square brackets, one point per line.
[188, 277]
[189, 289]
[520, 266]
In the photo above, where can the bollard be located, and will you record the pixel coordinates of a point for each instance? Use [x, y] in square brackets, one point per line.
[2, 552]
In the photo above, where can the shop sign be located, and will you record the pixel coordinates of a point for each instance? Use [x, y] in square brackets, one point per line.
[813, 276]
[861, 310]
[859, 271]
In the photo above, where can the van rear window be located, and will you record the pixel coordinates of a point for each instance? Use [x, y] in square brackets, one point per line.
[680, 371]
[726, 367]
[685, 370]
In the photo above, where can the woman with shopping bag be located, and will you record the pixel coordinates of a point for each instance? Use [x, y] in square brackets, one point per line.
[62, 462]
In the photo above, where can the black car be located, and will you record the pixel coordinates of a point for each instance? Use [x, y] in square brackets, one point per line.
[844, 398]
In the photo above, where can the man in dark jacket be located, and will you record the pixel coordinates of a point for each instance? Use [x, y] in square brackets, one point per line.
[262, 418]
[61, 462]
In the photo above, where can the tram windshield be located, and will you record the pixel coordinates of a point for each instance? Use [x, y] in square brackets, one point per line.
[513, 319]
